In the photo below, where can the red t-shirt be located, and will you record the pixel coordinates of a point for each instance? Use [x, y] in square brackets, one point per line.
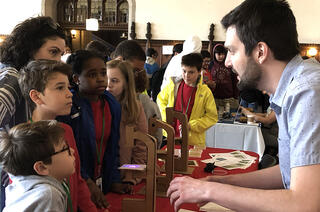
[184, 100]
[79, 191]
[206, 75]
[98, 122]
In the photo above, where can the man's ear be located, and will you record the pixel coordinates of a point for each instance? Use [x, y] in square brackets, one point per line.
[261, 52]
[35, 97]
[75, 78]
[41, 168]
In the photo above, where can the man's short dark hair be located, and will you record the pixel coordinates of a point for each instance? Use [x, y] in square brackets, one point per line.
[28, 143]
[130, 50]
[269, 21]
[192, 60]
[36, 75]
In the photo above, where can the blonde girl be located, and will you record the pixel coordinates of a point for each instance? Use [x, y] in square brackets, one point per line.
[121, 85]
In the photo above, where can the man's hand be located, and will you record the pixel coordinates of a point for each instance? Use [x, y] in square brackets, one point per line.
[245, 111]
[186, 190]
[97, 196]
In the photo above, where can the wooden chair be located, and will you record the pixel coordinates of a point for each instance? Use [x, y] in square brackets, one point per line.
[163, 181]
[180, 163]
[149, 203]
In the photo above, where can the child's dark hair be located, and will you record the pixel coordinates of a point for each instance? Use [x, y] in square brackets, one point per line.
[205, 54]
[220, 49]
[36, 75]
[151, 52]
[26, 39]
[177, 48]
[78, 59]
[192, 60]
[27, 143]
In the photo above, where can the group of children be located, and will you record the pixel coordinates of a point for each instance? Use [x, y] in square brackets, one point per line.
[72, 164]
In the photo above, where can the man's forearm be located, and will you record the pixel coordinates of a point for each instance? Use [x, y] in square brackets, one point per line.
[247, 199]
[269, 178]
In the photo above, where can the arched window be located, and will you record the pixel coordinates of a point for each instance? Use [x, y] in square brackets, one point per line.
[96, 9]
[82, 11]
[110, 11]
[123, 12]
[67, 8]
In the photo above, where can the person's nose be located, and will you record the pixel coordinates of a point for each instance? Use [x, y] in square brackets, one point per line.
[101, 78]
[109, 83]
[228, 62]
[69, 93]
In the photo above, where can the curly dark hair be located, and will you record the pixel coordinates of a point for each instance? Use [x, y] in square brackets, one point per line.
[26, 39]
[78, 59]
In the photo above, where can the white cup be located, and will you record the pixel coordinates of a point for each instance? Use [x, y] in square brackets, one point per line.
[250, 119]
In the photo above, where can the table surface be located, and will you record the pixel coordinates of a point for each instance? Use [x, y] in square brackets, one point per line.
[236, 136]
[163, 204]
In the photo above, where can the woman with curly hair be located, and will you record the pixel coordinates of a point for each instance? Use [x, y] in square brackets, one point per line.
[34, 38]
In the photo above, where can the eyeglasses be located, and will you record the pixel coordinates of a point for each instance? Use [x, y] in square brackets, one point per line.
[67, 148]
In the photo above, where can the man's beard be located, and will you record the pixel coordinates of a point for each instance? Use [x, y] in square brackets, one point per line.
[251, 76]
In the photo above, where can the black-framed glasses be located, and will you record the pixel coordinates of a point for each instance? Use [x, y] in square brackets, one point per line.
[67, 148]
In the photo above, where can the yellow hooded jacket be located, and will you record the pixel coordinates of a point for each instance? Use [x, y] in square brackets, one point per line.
[203, 114]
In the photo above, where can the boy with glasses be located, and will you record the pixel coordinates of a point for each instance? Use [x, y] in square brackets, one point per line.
[38, 160]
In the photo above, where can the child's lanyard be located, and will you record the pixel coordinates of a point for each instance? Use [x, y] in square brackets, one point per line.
[66, 187]
[99, 152]
[193, 89]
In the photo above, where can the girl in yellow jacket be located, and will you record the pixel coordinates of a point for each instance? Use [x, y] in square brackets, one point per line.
[192, 97]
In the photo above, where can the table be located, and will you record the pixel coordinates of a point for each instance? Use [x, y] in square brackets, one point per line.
[236, 136]
[163, 204]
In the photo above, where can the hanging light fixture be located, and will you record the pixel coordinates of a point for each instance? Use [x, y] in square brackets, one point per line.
[73, 33]
[312, 52]
[92, 24]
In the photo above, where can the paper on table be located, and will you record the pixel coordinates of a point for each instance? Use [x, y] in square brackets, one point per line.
[231, 160]
[213, 207]
[185, 210]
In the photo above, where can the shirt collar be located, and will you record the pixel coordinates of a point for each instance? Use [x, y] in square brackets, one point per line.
[288, 74]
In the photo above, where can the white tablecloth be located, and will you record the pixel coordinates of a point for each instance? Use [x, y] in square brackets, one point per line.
[236, 136]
